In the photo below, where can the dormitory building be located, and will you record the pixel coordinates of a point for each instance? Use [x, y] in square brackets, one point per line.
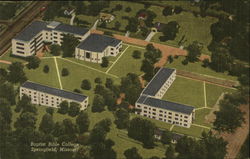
[92, 47]
[49, 96]
[150, 104]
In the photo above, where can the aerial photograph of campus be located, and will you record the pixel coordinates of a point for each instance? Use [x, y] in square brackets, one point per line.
[124, 79]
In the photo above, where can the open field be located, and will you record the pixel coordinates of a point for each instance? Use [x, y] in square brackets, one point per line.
[7, 57]
[197, 68]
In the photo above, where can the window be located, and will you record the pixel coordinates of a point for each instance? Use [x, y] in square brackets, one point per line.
[21, 52]
[175, 118]
[176, 114]
[154, 109]
[169, 121]
[20, 43]
[169, 113]
[185, 124]
[20, 47]
[186, 117]
[87, 55]
[185, 121]
[145, 111]
[112, 48]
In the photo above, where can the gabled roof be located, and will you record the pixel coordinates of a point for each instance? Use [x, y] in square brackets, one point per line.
[158, 80]
[54, 91]
[31, 31]
[158, 103]
[98, 43]
[71, 29]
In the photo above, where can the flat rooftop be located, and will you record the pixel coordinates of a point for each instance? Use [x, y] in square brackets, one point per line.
[159, 103]
[54, 91]
[98, 43]
[158, 80]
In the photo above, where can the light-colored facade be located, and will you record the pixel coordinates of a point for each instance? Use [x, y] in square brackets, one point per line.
[33, 38]
[51, 100]
[96, 57]
[151, 105]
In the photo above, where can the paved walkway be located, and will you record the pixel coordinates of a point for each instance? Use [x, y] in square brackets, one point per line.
[127, 34]
[58, 73]
[95, 25]
[5, 62]
[72, 18]
[150, 35]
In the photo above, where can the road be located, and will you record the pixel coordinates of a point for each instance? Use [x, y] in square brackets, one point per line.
[20, 23]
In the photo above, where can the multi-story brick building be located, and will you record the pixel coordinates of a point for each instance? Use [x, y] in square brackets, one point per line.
[151, 105]
[52, 97]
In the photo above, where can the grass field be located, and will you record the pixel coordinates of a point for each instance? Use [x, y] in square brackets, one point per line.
[194, 131]
[127, 63]
[186, 91]
[200, 117]
[7, 57]
[197, 68]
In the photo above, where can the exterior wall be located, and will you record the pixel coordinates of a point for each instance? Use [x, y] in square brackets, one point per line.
[164, 115]
[20, 48]
[96, 57]
[49, 100]
[166, 86]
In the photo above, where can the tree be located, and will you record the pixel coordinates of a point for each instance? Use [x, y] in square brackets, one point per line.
[154, 157]
[136, 54]
[221, 60]
[121, 118]
[228, 111]
[206, 63]
[117, 25]
[98, 80]
[65, 72]
[169, 31]
[128, 9]
[98, 103]
[7, 91]
[142, 130]
[170, 59]
[5, 111]
[105, 62]
[99, 89]
[74, 109]
[3, 75]
[194, 51]
[25, 105]
[25, 120]
[169, 154]
[68, 45]
[86, 84]
[132, 25]
[144, 31]
[178, 9]
[55, 49]
[82, 121]
[168, 10]
[132, 153]
[33, 62]
[46, 69]
[50, 111]
[63, 107]
[47, 124]
[109, 83]
[166, 137]
[16, 73]
[118, 7]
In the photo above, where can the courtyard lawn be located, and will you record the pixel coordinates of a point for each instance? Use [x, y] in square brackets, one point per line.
[214, 92]
[37, 75]
[197, 68]
[193, 28]
[3, 65]
[186, 91]
[200, 117]
[62, 20]
[77, 74]
[127, 64]
[194, 131]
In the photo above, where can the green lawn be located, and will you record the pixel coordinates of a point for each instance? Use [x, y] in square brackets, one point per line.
[214, 92]
[193, 28]
[194, 131]
[3, 65]
[186, 91]
[39, 76]
[197, 68]
[200, 117]
[127, 64]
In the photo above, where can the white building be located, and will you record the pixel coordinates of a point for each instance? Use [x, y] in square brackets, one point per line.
[151, 105]
[32, 38]
[96, 46]
[52, 97]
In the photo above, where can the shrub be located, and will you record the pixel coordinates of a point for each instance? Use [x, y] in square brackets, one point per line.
[167, 11]
[185, 62]
[205, 63]
[105, 62]
[65, 72]
[98, 80]
[178, 9]
[55, 49]
[118, 7]
[136, 54]
[50, 110]
[128, 9]
[46, 69]
[86, 84]
[108, 33]
[77, 90]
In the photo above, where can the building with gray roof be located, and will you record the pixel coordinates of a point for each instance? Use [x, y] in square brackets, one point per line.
[151, 105]
[49, 96]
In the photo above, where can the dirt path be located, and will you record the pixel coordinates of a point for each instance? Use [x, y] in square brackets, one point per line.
[5, 62]
[237, 139]
[165, 49]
